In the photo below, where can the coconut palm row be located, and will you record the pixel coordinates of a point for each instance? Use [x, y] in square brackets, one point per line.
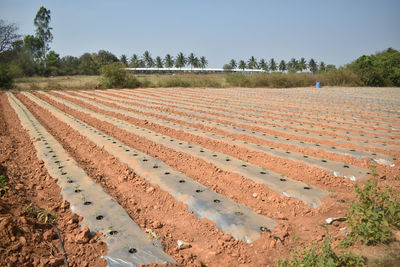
[292, 66]
[146, 61]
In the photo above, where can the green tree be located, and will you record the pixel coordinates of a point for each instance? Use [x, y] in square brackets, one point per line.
[33, 45]
[148, 60]
[180, 60]
[169, 61]
[233, 63]
[321, 68]
[124, 60]
[191, 60]
[88, 65]
[302, 64]
[159, 62]
[313, 67]
[381, 69]
[282, 65]
[272, 65]
[242, 64]
[104, 57]
[263, 65]
[53, 63]
[330, 67]
[134, 63]
[43, 30]
[252, 63]
[69, 65]
[203, 62]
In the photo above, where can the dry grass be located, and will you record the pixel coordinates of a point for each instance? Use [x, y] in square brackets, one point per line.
[57, 83]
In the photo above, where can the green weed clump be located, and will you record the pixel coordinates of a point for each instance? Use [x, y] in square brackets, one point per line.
[41, 215]
[321, 256]
[374, 214]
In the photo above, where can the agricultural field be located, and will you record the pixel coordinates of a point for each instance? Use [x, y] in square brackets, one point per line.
[197, 177]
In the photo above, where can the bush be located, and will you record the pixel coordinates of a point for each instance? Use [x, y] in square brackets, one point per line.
[6, 79]
[239, 80]
[323, 256]
[114, 76]
[373, 215]
[341, 77]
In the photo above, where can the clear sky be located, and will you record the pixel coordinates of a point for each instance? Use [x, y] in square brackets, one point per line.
[335, 31]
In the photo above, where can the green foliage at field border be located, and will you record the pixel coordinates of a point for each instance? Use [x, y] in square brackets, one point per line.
[372, 218]
[321, 256]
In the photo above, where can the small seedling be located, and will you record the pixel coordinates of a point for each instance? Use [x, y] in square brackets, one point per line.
[110, 227]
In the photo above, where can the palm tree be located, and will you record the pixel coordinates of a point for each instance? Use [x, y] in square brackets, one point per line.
[159, 62]
[148, 60]
[180, 60]
[141, 63]
[292, 65]
[282, 65]
[312, 65]
[191, 60]
[124, 60]
[272, 65]
[263, 64]
[196, 62]
[302, 64]
[322, 67]
[134, 61]
[203, 62]
[252, 63]
[169, 61]
[242, 64]
[233, 63]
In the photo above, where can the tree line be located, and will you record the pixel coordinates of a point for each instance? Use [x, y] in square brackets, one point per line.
[31, 55]
[291, 66]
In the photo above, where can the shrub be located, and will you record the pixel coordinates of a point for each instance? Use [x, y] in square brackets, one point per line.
[239, 80]
[375, 212]
[114, 76]
[6, 79]
[323, 256]
[341, 77]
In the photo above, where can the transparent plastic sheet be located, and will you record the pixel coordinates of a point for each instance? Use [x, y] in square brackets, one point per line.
[232, 218]
[91, 201]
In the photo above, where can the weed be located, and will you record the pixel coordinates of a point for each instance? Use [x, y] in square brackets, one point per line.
[41, 215]
[29, 210]
[3, 185]
[45, 216]
[373, 215]
[110, 227]
[373, 171]
[321, 256]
